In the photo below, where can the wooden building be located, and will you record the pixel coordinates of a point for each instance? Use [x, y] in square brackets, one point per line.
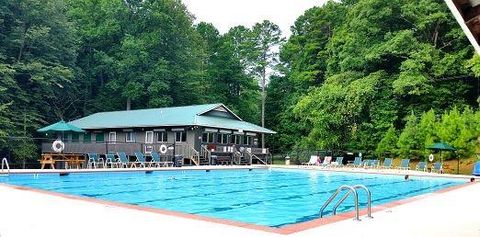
[202, 134]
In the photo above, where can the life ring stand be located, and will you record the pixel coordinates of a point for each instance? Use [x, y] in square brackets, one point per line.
[58, 146]
[163, 149]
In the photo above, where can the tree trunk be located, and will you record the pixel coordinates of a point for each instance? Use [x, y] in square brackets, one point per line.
[263, 104]
[129, 103]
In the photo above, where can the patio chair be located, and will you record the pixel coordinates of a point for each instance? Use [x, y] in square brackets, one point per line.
[367, 163]
[326, 161]
[374, 164]
[140, 160]
[357, 162]
[338, 162]
[313, 161]
[387, 163]
[437, 167]
[123, 160]
[421, 166]
[156, 159]
[111, 160]
[404, 165]
[94, 160]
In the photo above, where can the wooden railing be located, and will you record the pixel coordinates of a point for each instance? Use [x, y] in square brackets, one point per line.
[206, 154]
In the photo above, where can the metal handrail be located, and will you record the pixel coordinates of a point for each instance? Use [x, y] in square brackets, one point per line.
[351, 189]
[369, 198]
[340, 189]
[256, 157]
[5, 163]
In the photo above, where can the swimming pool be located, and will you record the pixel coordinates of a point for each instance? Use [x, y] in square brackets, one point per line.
[268, 197]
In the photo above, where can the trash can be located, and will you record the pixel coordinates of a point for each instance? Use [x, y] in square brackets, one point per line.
[178, 161]
[213, 160]
[287, 160]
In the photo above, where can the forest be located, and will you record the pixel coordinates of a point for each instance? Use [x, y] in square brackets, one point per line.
[371, 75]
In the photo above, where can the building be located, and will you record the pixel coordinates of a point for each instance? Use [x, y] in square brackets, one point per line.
[202, 134]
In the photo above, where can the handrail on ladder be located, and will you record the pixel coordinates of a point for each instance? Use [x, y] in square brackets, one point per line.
[5, 163]
[351, 189]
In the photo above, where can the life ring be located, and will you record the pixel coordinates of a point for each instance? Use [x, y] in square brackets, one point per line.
[58, 146]
[163, 149]
[430, 157]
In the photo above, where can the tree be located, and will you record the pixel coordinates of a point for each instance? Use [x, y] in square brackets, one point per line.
[427, 131]
[408, 143]
[388, 144]
[263, 56]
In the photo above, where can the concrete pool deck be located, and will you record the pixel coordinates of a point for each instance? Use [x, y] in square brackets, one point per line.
[27, 212]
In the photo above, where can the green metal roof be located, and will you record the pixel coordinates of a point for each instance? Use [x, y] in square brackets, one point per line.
[195, 115]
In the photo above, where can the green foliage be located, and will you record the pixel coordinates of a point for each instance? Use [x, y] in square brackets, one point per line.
[388, 144]
[408, 142]
[356, 68]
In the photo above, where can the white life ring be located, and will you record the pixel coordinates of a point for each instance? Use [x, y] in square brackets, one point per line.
[163, 149]
[430, 157]
[58, 146]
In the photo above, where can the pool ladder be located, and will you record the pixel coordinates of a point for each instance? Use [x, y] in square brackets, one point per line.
[351, 190]
[5, 165]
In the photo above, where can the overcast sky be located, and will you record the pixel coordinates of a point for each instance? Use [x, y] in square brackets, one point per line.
[224, 14]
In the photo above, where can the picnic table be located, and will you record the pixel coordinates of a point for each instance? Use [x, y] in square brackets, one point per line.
[69, 159]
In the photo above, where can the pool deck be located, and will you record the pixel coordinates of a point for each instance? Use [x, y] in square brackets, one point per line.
[28, 212]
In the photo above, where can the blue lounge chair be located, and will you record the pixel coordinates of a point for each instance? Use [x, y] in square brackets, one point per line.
[156, 160]
[94, 160]
[110, 160]
[437, 167]
[367, 163]
[374, 164]
[357, 162]
[422, 166]
[387, 163]
[338, 161]
[140, 160]
[404, 165]
[123, 160]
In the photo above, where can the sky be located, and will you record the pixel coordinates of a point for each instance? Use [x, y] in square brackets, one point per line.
[224, 14]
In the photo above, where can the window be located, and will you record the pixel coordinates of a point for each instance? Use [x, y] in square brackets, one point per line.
[248, 140]
[149, 137]
[161, 136]
[112, 137]
[181, 136]
[225, 138]
[236, 139]
[75, 137]
[99, 137]
[130, 137]
[87, 138]
[207, 137]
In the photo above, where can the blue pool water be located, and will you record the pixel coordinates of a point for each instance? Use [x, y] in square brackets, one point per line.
[274, 197]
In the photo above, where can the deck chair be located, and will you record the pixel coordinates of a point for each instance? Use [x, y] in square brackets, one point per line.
[374, 164]
[387, 163]
[404, 165]
[94, 160]
[313, 161]
[437, 167]
[111, 160]
[140, 160]
[123, 160]
[357, 162]
[367, 163]
[156, 159]
[326, 161]
[422, 166]
[338, 162]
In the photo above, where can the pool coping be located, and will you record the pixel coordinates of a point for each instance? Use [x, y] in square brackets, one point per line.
[284, 230]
